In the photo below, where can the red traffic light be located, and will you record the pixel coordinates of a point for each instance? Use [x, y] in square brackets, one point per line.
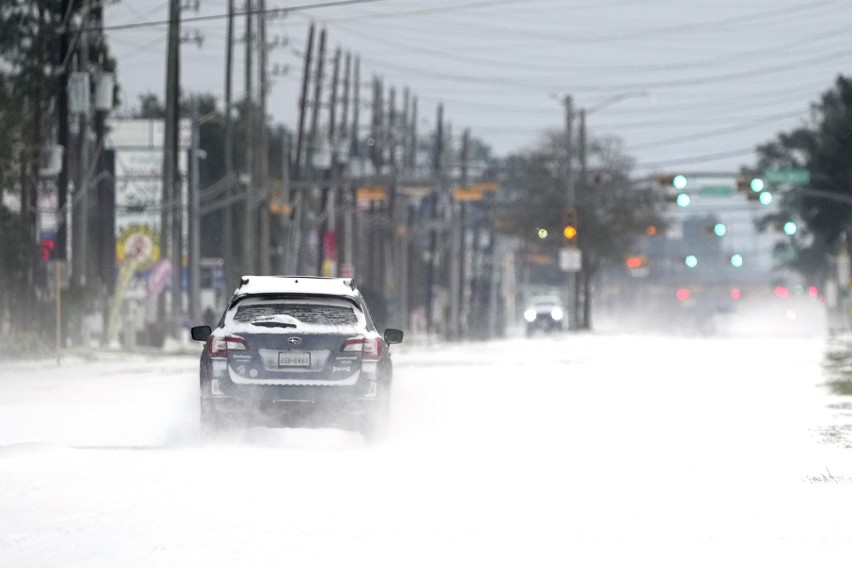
[634, 262]
[47, 247]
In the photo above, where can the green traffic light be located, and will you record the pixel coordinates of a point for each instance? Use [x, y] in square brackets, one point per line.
[765, 198]
[720, 229]
[691, 261]
[790, 228]
[757, 185]
[680, 182]
[683, 200]
[737, 260]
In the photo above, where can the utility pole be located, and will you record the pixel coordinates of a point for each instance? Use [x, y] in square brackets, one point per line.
[63, 138]
[286, 197]
[456, 249]
[354, 147]
[437, 168]
[376, 157]
[194, 291]
[228, 214]
[391, 244]
[316, 104]
[264, 262]
[406, 113]
[298, 196]
[412, 154]
[30, 163]
[354, 154]
[402, 227]
[103, 235]
[308, 197]
[249, 228]
[583, 304]
[570, 202]
[303, 101]
[582, 150]
[81, 195]
[345, 190]
[328, 240]
[169, 223]
[176, 192]
[347, 82]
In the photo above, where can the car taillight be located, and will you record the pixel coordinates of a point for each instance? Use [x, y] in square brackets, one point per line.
[219, 346]
[369, 347]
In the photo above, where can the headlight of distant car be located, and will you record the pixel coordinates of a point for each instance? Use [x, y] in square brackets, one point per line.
[556, 314]
[529, 315]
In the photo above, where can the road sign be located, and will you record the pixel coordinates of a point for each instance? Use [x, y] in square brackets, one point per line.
[570, 260]
[280, 208]
[467, 194]
[794, 176]
[371, 193]
[485, 186]
[716, 191]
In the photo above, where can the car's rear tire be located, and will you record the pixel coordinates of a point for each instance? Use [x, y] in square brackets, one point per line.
[210, 422]
[374, 424]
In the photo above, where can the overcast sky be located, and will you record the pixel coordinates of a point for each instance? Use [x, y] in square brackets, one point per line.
[703, 81]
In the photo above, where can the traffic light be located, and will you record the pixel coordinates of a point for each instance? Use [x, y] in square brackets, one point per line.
[790, 228]
[752, 187]
[47, 249]
[691, 261]
[673, 186]
[677, 181]
[718, 229]
[569, 225]
[737, 260]
[635, 261]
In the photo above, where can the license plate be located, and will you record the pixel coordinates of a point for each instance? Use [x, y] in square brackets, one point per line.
[294, 359]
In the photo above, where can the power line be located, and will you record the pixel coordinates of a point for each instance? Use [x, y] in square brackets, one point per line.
[526, 65]
[268, 11]
[740, 103]
[700, 158]
[424, 11]
[716, 132]
[635, 33]
[683, 82]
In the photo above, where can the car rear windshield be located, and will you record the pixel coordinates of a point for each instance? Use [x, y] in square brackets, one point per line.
[311, 313]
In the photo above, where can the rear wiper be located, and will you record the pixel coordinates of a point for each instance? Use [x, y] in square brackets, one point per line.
[273, 324]
[275, 321]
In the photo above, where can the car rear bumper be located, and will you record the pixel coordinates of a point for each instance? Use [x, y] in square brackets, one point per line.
[296, 412]
[225, 397]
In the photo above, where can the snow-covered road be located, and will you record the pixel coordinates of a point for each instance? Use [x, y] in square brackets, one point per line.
[584, 450]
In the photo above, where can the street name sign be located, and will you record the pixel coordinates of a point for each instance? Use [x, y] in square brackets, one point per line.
[716, 191]
[794, 176]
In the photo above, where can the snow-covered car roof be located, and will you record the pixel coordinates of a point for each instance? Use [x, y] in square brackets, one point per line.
[253, 285]
[544, 301]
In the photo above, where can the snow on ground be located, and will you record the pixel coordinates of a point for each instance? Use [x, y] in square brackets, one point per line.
[591, 450]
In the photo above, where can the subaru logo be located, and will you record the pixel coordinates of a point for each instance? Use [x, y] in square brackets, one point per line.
[294, 340]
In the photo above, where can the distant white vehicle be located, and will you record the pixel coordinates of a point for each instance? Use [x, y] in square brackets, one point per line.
[544, 313]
